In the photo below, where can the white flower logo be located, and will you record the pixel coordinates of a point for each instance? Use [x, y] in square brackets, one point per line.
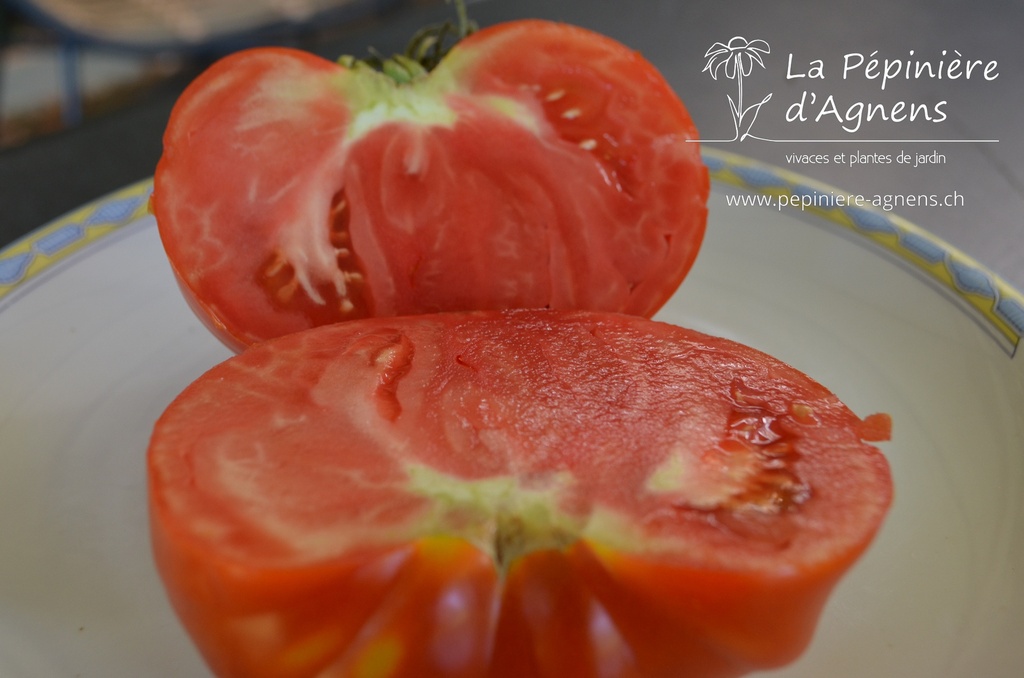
[736, 59]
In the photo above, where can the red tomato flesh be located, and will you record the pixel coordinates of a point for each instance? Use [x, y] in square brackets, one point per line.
[539, 165]
[508, 493]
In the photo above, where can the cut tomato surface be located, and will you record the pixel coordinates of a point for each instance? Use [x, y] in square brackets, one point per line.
[518, 493]
[539, 165]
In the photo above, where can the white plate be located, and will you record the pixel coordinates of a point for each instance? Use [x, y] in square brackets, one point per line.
[95, 340]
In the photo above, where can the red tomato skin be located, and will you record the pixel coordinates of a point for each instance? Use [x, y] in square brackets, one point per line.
[438, 605]
[252, 623]
[668, 189]
[585, 189]
[192, 180]
[660, 607]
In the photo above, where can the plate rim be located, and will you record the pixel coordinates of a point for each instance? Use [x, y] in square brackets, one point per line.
[95, 243]
[984, 293]
[978, 289]
[39, 250]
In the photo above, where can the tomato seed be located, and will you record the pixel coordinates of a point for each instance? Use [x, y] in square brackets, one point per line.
[276, 264]
[803, 414]
[351, 298]
[279, 278]
[339, 218]
[285, 292]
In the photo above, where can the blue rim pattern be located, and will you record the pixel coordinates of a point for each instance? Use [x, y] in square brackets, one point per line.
[991, 299]
[41, 249]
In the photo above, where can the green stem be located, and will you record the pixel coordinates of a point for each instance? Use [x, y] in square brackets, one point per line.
[465, 25]
[425, 50]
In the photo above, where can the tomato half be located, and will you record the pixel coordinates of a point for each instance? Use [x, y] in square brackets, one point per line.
[508, 494]
[539, 165]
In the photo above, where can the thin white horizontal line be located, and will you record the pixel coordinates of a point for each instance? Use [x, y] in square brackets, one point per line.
[853, 141]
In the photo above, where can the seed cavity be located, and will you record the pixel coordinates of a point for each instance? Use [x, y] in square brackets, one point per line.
[279, 278]
[572, 117]
[276, 265]
[746, 482]
[319, 276]
[758, 425]
[341, 241]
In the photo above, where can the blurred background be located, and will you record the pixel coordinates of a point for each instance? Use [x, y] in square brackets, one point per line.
[65, 61]
[86, 87]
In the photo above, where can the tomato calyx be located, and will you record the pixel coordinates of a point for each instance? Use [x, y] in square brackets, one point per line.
[427, 48]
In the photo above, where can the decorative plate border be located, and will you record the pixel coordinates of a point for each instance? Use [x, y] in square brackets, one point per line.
[46, 246]
[996, 303]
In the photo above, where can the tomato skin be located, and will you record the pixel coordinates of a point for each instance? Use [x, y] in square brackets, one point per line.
[294, 192]
[215, 163]
[501, 494]
[660, 606]
[291, 623]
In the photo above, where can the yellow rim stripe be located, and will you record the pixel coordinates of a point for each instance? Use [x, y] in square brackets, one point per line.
[992, 299]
